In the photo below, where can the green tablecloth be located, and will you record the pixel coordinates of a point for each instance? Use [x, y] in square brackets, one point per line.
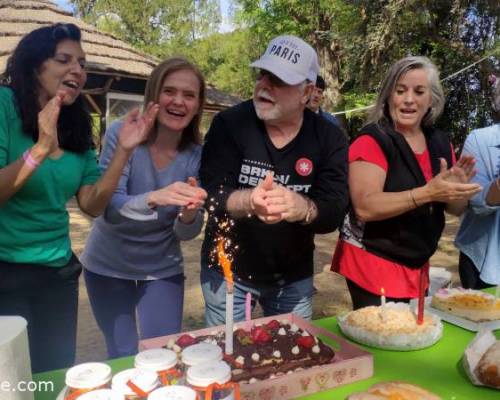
[437, 369]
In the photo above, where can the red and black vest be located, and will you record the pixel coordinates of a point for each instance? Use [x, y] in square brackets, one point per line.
[410, 238]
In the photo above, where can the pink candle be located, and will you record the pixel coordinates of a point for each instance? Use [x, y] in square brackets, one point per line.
[248, 311]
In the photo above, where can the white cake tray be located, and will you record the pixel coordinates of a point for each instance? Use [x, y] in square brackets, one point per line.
[458, 321]
[62, 393]
[399, 342]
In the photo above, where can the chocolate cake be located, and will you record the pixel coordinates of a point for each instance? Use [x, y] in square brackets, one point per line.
[275, 348]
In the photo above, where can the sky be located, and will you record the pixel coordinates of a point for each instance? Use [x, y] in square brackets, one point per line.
[63, 4]
[224, 4]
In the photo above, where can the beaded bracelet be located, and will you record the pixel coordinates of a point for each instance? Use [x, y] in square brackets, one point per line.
[29, 160]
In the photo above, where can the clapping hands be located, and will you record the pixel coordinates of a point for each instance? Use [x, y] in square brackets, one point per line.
[273, 203]
[452, 184]
[463, 171]
[184, 194]
[136, 127]
[47, 124]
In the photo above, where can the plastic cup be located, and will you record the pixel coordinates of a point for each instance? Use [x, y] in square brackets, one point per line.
[161, 361]
[173, 392]
[201, 353]
[145, 380]
[101, 394]
[86, 377]
[200, 376]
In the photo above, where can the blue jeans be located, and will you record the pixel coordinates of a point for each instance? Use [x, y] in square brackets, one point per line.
[296, 297]
[115, 301]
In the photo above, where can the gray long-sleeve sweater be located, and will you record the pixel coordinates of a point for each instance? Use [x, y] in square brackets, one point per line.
[132, 241]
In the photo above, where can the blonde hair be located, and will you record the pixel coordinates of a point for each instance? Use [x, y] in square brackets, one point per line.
[380, 113]
[191, 133]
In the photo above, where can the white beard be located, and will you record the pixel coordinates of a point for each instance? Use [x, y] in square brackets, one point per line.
[271, 114]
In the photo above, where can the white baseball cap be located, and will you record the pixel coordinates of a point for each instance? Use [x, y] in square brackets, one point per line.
[290, 59]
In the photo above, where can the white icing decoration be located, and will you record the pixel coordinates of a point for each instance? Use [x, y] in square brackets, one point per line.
[294, 328]
[240, 359]
[295, 350]
[277, 354]
[255, 357]
[282, 332]
[315, 349]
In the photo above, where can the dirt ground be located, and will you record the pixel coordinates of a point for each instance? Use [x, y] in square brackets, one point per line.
[331, 297]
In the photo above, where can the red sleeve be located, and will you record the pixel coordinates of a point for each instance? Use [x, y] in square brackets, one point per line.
[453, 155]
[366, 148]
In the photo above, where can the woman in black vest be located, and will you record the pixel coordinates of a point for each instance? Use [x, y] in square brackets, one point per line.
[400, 186]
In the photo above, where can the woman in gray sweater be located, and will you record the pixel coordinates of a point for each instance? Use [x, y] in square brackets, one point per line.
[133, 261]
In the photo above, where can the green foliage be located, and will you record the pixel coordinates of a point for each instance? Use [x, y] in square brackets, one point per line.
[224, 59]
[158, 27]
[356, 41]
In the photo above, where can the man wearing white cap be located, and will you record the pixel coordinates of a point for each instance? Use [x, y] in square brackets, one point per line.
[280, 171]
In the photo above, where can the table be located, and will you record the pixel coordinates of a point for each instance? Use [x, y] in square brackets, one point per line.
[437, 369]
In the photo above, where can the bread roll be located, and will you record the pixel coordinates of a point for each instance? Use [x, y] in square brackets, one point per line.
[394, 391]
[488, 368]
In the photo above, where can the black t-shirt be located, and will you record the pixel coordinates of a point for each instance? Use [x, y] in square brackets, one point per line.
[237, 154]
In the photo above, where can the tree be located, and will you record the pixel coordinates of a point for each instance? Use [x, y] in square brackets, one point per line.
[159, 27]
[322, 23]
[224, 58]
[358, 40]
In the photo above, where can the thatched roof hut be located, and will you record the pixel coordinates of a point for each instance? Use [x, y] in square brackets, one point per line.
[114, 67]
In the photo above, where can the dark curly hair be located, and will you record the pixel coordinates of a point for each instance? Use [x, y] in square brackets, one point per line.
[75, 124]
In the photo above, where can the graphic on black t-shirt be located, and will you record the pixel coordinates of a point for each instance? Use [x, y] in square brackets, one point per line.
[252, 172]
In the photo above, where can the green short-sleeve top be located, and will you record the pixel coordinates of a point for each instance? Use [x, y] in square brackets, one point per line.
[34, 223]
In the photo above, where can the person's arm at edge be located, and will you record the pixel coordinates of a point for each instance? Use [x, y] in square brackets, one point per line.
[488, 200]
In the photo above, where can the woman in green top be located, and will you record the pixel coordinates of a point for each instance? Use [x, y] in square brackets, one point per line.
[46, 157]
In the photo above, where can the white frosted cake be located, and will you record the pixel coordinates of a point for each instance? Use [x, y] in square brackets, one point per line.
[393, 326]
